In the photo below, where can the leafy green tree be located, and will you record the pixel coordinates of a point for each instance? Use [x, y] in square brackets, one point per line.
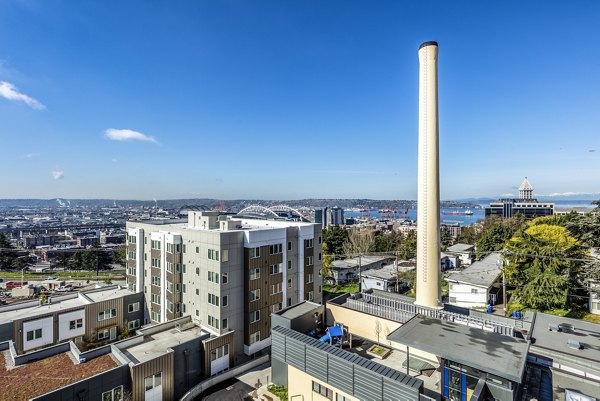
[410, 278]
[408, 248]
[62, 260]
[387, 241]
[76, 261]
[493, 239]
[446, 238]
[7, 254]
[327, 261]
[335, 237]
[120, 256]
[541, 265]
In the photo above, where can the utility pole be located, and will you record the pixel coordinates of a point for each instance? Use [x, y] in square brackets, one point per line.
[359, 274]
[501, 263]
[397, 274]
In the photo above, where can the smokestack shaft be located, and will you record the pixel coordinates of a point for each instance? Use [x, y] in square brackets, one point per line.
[428, 214]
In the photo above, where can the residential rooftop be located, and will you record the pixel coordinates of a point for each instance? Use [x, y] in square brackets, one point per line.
[27, 309]
[481, 273]
[352, 263]
[40, 377]
[297, 310]
[460, 248]
[157, 344]
[491, 352]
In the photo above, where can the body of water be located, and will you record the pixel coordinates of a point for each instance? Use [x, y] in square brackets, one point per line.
[446, 215]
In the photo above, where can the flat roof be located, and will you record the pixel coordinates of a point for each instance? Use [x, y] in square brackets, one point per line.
[158, 344]
[352, 263]
[58, 304]
[460, 248]
[298, 310]
[544, 341]
[49, 374]
[481, 273]
[487, 351]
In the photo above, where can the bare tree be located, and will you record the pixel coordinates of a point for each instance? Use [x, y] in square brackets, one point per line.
[378, 329]
[358, 243]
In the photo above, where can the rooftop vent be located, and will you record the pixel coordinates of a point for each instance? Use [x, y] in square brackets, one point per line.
[571, 343]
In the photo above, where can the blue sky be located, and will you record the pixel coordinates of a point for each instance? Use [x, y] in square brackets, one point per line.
[294, 99]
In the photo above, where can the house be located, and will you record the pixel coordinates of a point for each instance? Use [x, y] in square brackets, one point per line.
[453, 260]
[477, 285]
[466, 253]
[384, 278]
[347, 270]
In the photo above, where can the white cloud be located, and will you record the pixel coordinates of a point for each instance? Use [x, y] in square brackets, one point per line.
[57, 174]
[10, 92]
[126, 135]
[29, 155]
[114, 160]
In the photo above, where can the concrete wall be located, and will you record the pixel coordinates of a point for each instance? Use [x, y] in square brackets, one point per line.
[360, 324]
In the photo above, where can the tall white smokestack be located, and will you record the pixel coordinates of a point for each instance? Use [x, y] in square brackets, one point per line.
[429, 290]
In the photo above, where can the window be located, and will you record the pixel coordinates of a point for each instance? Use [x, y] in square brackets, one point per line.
[134, 307]
[107, 314]
[289, 264]
[310, 296]
[254, 253]
[183, 267]
[213, 299]
[225, 300]
[103, 334]
[309, 278]
[213, 254]
[156, 299]
[183, 248]
[134, 324]
[183, 288]
[320, 289]
[289, 283]
[213, 321]
[275, 269]
[254, 316]
[155, 262]
[197, 271]
[320, 256]
[321, 389]
[225, 324]
[339, 397]
[473, 290]
[254, 295]
[219, 352]
[213, 277]
[276, 288]
[452, 300]
[289, 302]
[34, 334]
[155, 316]
[255, 273]
[153, 381]
[75, 324]
[275, 249]
[116, 394]
[197, 291]
[155, 280]
[169, 248]
[224, 278]
[224, 255]
[254, 337]
[320, 239]
[289, 246]
[276, 307]
[197, 249]
[170, 287]
[595, 305]
[308, 243]
[132, 239]
[155, 244]
[170, 267]
[309, 261]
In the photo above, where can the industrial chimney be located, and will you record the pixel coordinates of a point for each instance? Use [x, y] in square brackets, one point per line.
[429, 291]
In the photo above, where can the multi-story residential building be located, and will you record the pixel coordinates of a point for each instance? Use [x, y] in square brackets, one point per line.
[93, 316]
[526, 205]
[228, 273]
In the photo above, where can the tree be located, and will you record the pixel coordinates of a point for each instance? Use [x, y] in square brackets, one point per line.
[76, 261]
[62, 260]
[120, 256]
[445, 238]
[408, 249]
[335, 237]
[327, 262]
[7, 254]
[378, 330]
[493, 239]
[541, 265]
[409, 277]
[387, 241]
[358, 243]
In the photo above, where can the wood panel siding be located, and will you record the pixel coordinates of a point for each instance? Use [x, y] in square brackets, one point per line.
[162, 364]
[213, 343]
[92, 324]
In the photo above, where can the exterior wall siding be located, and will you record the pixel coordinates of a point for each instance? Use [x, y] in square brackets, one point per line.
[162, 364]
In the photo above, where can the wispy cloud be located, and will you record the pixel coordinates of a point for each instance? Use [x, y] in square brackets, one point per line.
[114, 160]
[127, 135]
[57, 174]
[29, 155]
[10, 92]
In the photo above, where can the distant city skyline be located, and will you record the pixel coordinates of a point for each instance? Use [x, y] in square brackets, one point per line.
[279, 100]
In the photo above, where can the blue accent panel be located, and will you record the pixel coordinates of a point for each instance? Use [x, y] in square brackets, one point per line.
[463, 387]
[446, 380]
